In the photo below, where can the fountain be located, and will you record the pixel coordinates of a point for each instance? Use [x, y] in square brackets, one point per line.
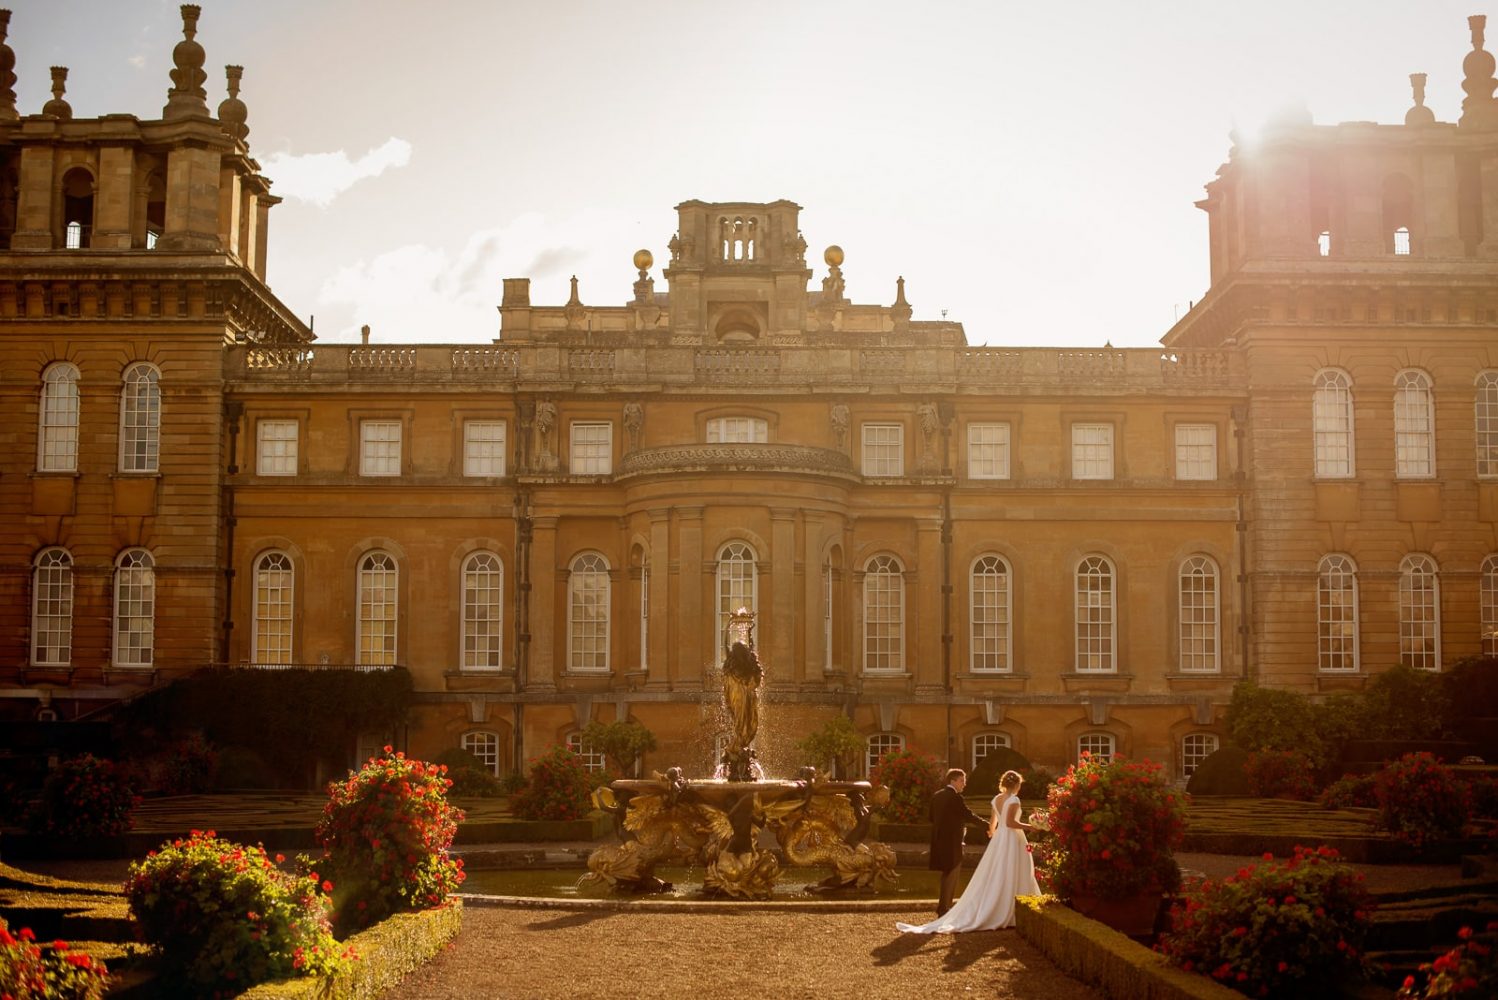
[716, 823]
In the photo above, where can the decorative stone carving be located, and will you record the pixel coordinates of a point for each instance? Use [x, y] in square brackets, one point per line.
[8, 112]
[930, 418]
[232, 113]
[634, 420]
[727, 457]
[574, 311]
[187, 96]
[839, 419]
[545, 423]
[57, 107]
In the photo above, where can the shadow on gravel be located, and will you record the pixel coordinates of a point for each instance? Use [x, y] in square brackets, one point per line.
[900, 948]
[580, 919]
[969, 948]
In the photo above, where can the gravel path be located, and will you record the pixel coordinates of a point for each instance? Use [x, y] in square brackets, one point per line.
[523, 953]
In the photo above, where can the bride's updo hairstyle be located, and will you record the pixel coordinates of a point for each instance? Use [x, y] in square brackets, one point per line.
[1011, 779]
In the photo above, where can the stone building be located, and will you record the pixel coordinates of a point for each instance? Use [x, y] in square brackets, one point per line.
[959, 547]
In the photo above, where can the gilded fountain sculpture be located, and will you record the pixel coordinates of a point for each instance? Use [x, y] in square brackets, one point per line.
[716, 824]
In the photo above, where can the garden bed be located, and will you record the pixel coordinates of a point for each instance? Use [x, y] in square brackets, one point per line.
[1249, 826]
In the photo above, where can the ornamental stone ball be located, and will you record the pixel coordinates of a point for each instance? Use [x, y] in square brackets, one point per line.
[643, 260]
[833, 255]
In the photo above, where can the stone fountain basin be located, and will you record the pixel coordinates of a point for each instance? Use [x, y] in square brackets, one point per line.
[723, 794]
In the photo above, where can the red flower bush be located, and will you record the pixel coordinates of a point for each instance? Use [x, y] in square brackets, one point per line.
[1281, 774]
[912, 778]
[29, 971]
[386, 831]
[1350, 791]
[1288, 928]
[557, 787]
[224, 917]
[84, 797]
[1420, 800]
[1468, 970]
[1114, 828]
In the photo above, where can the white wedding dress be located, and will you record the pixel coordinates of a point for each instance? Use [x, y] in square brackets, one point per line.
[1006, 871]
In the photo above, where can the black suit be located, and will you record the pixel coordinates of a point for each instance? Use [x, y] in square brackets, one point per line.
[949, 818]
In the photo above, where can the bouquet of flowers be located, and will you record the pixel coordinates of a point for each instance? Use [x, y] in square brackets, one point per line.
[1040, 819]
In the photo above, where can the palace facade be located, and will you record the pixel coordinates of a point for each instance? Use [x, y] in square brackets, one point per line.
[959, 547]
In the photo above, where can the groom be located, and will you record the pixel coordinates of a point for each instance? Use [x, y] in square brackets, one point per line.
[949, 816]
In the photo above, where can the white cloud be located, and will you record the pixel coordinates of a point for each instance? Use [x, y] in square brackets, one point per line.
[318, 178]
[138, 61]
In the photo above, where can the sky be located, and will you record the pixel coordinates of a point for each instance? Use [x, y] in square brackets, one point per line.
[1029, 168]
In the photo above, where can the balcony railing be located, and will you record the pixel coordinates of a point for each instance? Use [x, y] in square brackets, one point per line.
[362, 668]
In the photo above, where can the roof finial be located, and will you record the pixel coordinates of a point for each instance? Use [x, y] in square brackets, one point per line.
[231, 110]
[832, 285]
[57, 107]
[187, 96]
[644, 286]
[574, 311]
[901, 309]
[1479, 109]
[8, 111]
[1419, 114]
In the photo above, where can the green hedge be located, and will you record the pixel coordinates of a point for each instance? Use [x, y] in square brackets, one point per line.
[1102, 957]
[388, 952]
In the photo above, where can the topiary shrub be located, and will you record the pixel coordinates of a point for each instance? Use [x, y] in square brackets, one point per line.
[1038, 783]
[1351, 791]
[1278, 929]
[1221, 773]
[468, 774]
[912, 778]
[224, 918]
[1420, 800]
[557, 787]
[623, 744]
[84, 797]
[1404, 703]
[1280, 774]
[985, 777]
[385, 831]
[29, 971]
[1260, 718]
[1471, 685]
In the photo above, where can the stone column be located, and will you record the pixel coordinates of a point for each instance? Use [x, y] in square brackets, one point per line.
[192, 183]
[1364, 204]
[1488, 248]
[114, 198]
[34, 201]
[923, 608]
[262, 232]
[1438, 235]
[229, 194]
[663, 622]
[692, 647]
[812, 594]
[547, 587]
[782, 604]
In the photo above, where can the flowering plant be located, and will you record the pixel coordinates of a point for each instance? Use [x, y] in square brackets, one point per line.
[912, 778]
[1350, 790]
[1275, 928]
[386, 831]
[1281, 774]
[224, 917]
[30, 972]
[557, 788]
[1114, 827]
[1420, 800]
[1040, 819]
[84, 797]
[1470, 969]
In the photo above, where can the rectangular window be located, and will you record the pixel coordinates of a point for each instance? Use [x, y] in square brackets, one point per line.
[737, 430]
[883, 449]
[1196, 451]
[483, 447]
[275, 447]
[988, 451]
[1092, 451]
[592, 449]
[379, 447]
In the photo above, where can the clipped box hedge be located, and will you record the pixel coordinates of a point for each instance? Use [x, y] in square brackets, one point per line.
[388, 952]
[1102, 957]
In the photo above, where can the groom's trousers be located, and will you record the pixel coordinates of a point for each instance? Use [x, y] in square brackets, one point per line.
[948, 889]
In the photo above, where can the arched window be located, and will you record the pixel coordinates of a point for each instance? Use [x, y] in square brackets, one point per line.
[1099, 746]
[140, 419]
[1402, 242]
[52, 608]
[57, 430]
[1419, 613]
[1195, 748]
[1414, 426]
[1488, 601]
[990, 615]
[270, 629]
[77, 208]
[880, 744]
[379, 607]
[483, 611]
[134, 609]
[738, 583]
[592, 759]
[986, 743]
[1337, 613]
[1485, 410]
[1331, 422]
[1097, 626]
[1399, 211]
[1324, 243]
[1200, 629]
[588, 613]
[883, 615]
[484, 746]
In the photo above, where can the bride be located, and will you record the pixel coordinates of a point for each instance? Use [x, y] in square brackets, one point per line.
[1005, 872]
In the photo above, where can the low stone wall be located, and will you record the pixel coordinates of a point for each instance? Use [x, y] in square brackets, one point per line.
[1102, 957]
[388, 952]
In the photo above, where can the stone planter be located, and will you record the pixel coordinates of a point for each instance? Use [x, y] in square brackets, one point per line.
[1131, 915]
